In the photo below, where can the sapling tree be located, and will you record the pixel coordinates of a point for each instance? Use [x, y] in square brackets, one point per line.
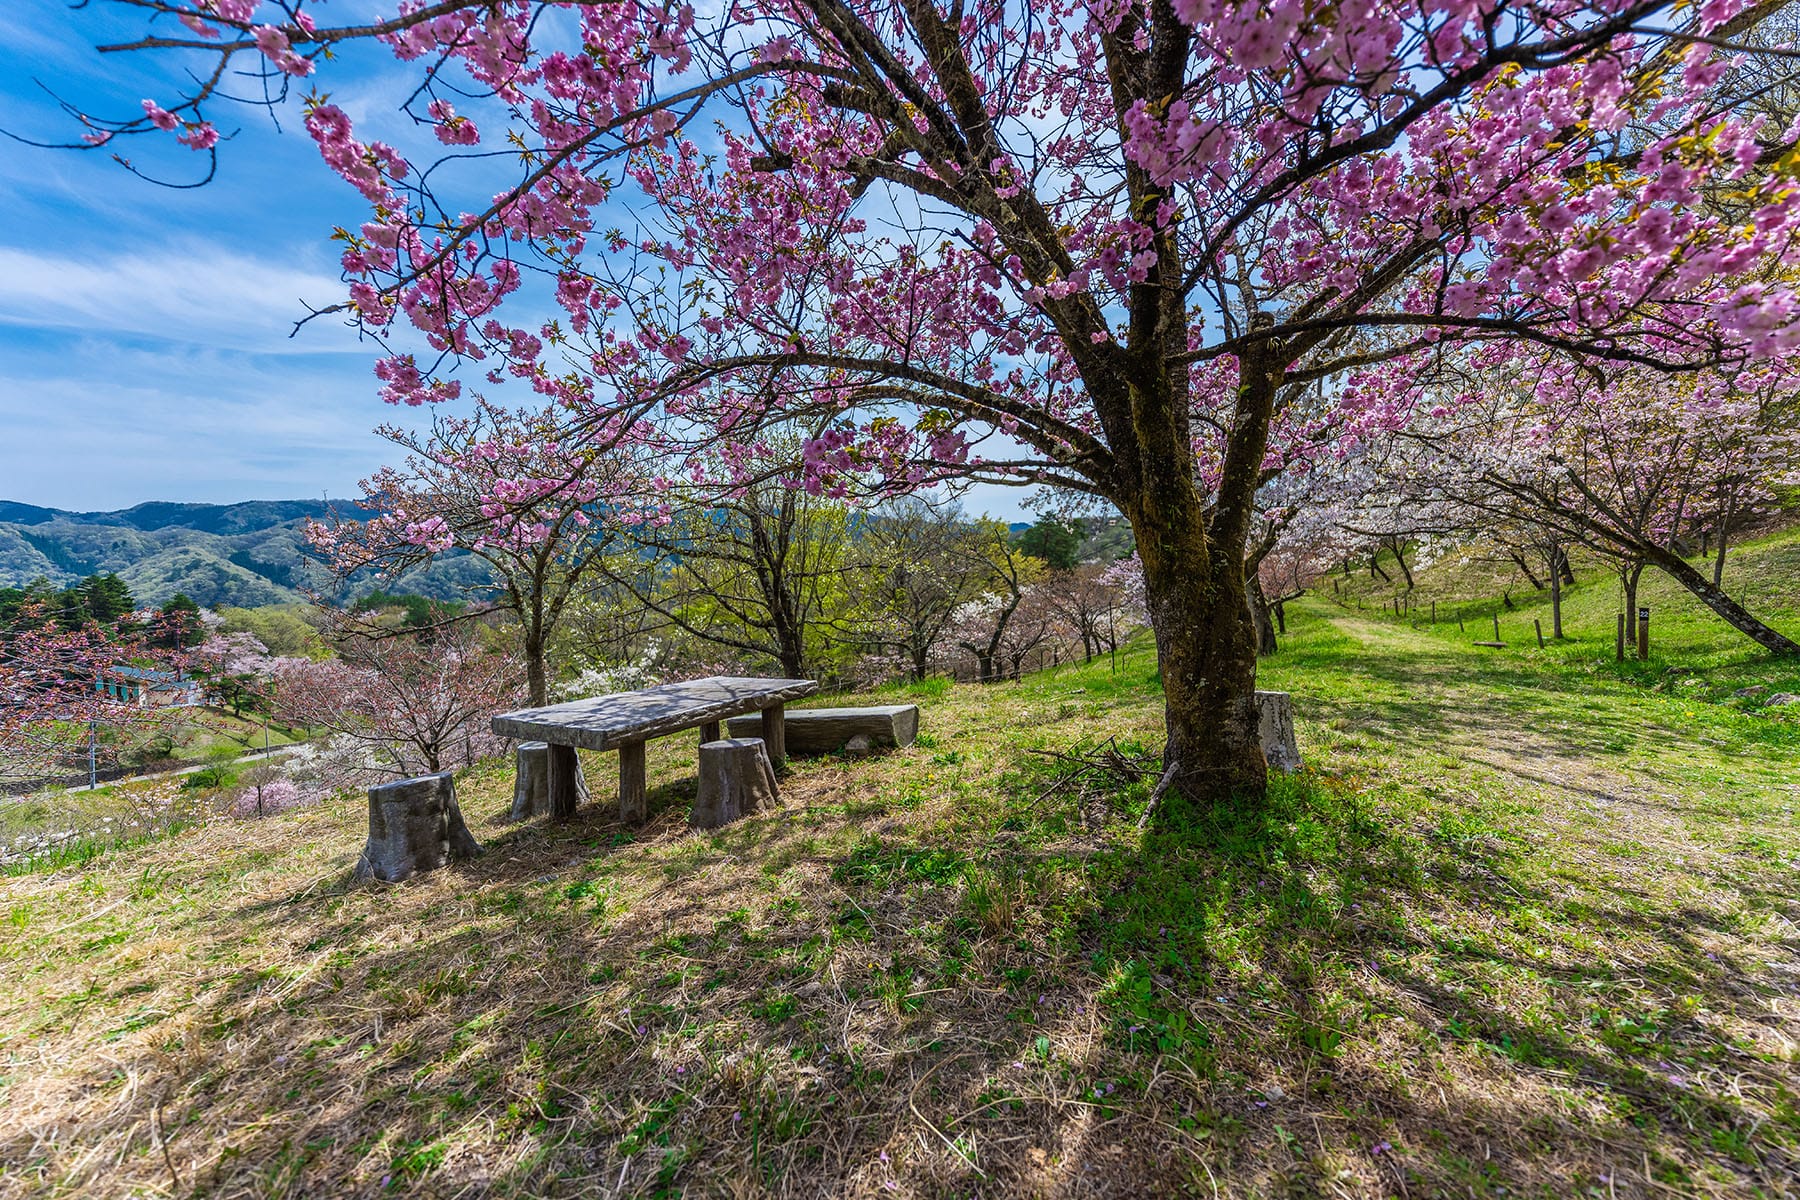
[917, 566]
[739, 556]
[1118, 234]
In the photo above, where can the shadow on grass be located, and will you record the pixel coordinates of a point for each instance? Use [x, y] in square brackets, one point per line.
[1303, 996]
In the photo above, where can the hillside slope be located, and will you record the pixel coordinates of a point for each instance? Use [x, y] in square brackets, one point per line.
[247, 554]
[1524, 928]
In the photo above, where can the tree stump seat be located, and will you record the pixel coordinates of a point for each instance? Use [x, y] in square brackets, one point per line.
[414, 825]
[531, 786]
[1275, 716]
[828, 730]
[736, 779]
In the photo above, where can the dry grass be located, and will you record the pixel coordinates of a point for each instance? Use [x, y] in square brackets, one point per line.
[1512, 937]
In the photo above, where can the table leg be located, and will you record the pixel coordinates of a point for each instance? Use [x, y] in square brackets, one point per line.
[565, 787]
[709, 732]
[774, 734]
[633, 806]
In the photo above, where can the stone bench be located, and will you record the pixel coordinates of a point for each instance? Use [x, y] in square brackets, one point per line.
[828, 730]
[626, 720]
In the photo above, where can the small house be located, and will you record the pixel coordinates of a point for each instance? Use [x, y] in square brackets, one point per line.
[144, 687]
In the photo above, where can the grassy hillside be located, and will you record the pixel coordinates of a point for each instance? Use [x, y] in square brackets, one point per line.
[1687, 638]
[1526, 926]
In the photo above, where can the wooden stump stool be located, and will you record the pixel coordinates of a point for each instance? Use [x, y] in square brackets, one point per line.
[414, 825]
[1276, 713]
[736, 779]
[531, 788]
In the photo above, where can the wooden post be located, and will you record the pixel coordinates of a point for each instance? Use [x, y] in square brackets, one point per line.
[565, 782]
[709, 732]
[1643, 634]
[774, 734]
[1459, 624]
[1434, 612]
[1620, 648]
[633, 806]
[1539, 626]
[1496, 627]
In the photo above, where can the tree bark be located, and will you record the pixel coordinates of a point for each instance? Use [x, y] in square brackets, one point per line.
[1195, 588]
[1556, 587]
[1524, 566]
[1718, 572]
[1400, 557]
[1259, 616]
[536, 677]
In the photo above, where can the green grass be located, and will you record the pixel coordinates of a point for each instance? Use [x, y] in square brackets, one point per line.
[1525, 927]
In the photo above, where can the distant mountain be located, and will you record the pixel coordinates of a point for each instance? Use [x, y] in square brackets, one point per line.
[246, 554]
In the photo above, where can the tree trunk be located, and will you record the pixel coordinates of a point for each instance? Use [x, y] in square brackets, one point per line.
[1259, 616]
[1733, 613]
[1563, 566]
[536, 678]
[1400, 557]
[1629, 575]
[1375, 566]
[1526, 567]
[1718, 572]
[1556, 586]
[1279, 608]
[1194, 586]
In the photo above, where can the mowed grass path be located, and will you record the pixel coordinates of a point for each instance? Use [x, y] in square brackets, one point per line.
[1524, 928]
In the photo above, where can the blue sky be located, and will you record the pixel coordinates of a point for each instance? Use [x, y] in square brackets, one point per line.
[144, 332]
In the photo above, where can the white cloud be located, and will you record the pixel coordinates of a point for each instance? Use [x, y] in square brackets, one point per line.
[195, 294]
[94, 423]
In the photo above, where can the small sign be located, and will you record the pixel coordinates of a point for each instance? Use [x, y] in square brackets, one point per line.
[1643, 614]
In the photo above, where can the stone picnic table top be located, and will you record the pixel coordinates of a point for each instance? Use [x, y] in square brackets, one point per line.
[624, 721]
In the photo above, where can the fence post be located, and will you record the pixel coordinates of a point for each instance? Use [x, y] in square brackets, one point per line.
[1619, 650]
[1539, 626]
[1496, 627]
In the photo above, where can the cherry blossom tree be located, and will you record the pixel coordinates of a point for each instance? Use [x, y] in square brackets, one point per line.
[59, 687]
[418, 703]
[984, 626]
[1120, 234]
[1618, 463]
[918, 566]
[525, 496]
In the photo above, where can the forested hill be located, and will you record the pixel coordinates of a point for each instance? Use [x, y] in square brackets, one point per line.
[247, 554]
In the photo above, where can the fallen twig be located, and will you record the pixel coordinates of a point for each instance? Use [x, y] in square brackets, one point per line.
[1162, 785]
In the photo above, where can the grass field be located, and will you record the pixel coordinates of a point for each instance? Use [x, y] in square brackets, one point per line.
[1525, 927]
